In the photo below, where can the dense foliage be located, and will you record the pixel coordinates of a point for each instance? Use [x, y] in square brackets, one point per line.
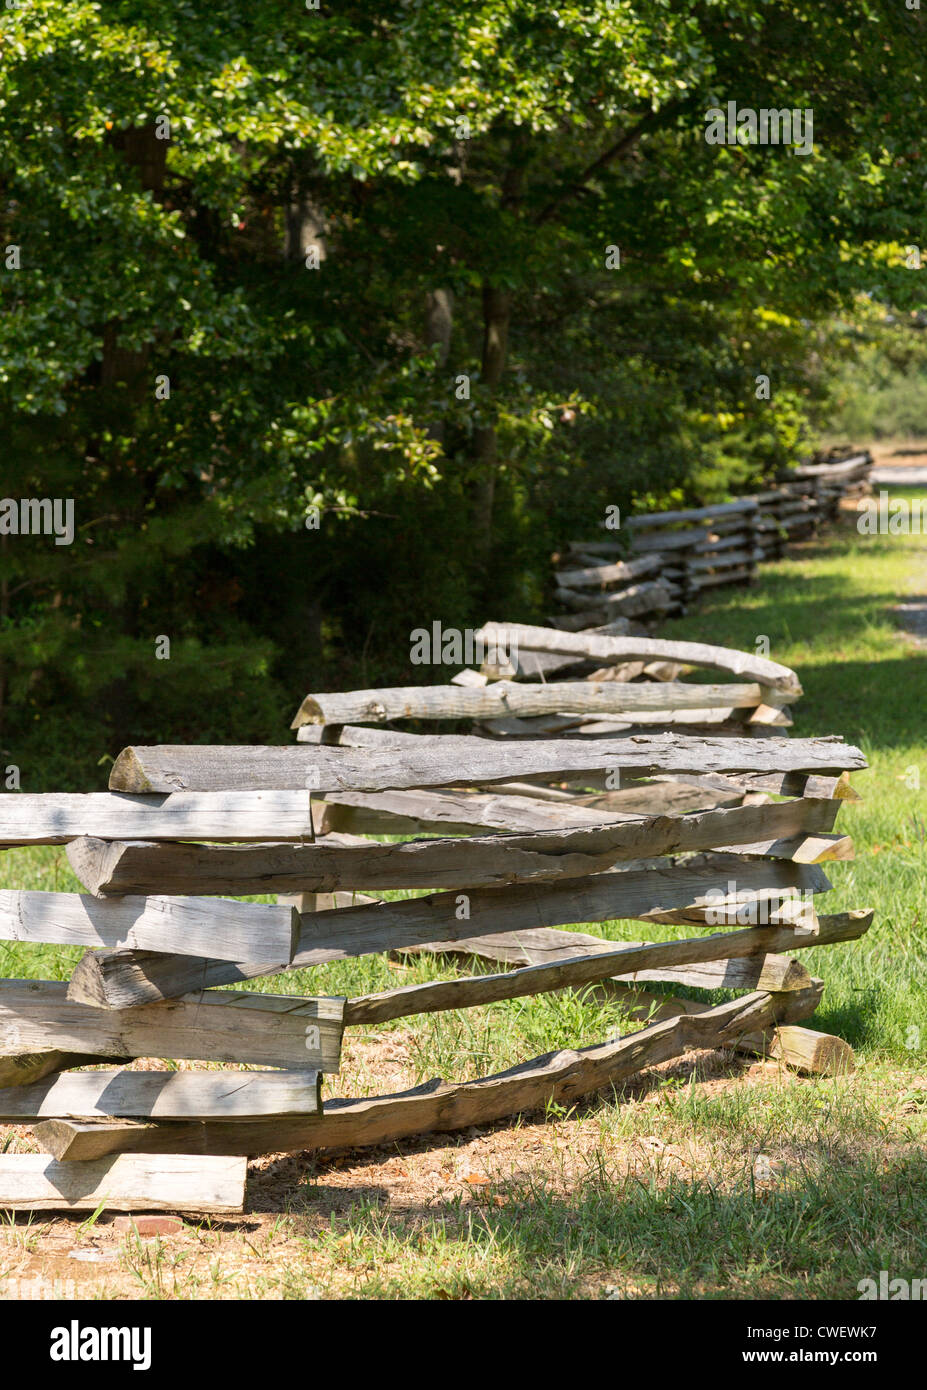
[441, 281]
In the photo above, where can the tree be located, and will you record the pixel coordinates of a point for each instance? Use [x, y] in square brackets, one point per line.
[351, 264]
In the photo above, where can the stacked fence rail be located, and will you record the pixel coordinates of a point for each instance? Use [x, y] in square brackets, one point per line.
[521, 832]
[671, 557]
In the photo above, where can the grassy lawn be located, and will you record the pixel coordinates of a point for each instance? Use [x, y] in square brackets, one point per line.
[712, 1177]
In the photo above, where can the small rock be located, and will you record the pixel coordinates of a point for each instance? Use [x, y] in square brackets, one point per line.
[150, 1225]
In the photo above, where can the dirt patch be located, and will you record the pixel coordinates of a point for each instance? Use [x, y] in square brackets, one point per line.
[295, 1238]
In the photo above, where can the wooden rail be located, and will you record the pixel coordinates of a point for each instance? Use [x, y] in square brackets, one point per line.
[684, 552]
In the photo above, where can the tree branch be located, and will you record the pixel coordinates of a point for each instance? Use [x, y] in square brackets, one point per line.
[653, 120]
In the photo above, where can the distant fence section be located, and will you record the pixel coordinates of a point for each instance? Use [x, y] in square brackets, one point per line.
[672, 556]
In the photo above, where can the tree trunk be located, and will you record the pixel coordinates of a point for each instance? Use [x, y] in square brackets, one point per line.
[147, 154]
[305, 229]
[497, 312]
[439, 323]
[497, 308]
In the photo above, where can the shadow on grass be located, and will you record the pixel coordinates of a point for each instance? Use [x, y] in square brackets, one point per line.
[860, 1021]
[880, 699]
[816, 1227]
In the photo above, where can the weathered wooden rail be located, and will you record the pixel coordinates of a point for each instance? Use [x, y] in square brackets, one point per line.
[518, 836]
[669, 557]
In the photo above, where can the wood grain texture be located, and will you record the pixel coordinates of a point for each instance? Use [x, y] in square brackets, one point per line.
[601, 648]
[166, 1095]
[508, 698]
[42, 818]
[763, 970]
[571, 972]
[72, 1141]
[23, 1068]
[807, 1050]
[449, 812]
[189, 926]
[643, 1007]
[792, 784]
[542, 944]
[274, 1030]
[561, 1077]
[338, 862]
[216, 768]
[170, 1182]
[723, 719]
[123, 979]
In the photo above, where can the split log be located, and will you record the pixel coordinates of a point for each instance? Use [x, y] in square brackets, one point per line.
[722, 559]
[855, 466]
[534, 947]
[274, 1030]
[204, 768]
[648, 597]
[664, 543]
[603, 649]
[365, 736]
[810, 1051]
[535, 789]
[171, 1182]
[132, 866]
[185, 926]
[557, 1077]
[453, 813]
[659, 798]
[759, 971]
[123, 979]
[165, 1095]
[801, 849]
[649, 520]
[37, 818]
[341, 862]
[572, 972]
[697, 720]
[778, 783]
[72, 1141]
[22, 1069]
[507, 698]
[601, 576]
[798, 1047]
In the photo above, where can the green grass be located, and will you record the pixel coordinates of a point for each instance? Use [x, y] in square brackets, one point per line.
[827, 614]
[847, 1194]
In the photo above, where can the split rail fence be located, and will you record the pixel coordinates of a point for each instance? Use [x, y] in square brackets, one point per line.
[673, 556]
[576, 801]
